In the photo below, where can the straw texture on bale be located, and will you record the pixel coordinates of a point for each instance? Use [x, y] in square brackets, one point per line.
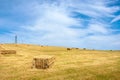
[43, 62]
[7, 52]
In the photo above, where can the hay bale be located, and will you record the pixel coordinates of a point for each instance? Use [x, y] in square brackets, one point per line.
[7, 52]
[84, 48]
[76, 48]
[43, 62]
[68, 49]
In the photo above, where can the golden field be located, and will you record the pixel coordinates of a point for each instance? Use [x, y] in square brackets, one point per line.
[75, 64]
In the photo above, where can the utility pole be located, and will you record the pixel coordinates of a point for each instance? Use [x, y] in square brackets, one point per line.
[15, 39]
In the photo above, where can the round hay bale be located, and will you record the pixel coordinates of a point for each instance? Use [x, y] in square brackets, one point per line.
[84, 48]
[42, 46]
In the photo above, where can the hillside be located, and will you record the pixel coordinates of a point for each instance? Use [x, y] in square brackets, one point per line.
[75, 64]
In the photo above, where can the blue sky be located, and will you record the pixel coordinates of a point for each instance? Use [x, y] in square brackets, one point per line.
[93, 24]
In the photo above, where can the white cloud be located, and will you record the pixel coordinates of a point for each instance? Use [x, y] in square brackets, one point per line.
[52, 20]
[98, 28]
[94, 8]
[116, 19]
[56, 21]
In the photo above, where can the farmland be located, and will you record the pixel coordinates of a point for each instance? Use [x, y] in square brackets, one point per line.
[74, 64]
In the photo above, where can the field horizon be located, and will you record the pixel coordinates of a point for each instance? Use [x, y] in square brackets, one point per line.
[74, 64]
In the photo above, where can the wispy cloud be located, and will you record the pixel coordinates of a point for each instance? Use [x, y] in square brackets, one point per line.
[116, 19]
[94, 8]
[54, 22]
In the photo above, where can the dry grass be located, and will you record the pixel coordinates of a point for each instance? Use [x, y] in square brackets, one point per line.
[75, 64]
[1, 48]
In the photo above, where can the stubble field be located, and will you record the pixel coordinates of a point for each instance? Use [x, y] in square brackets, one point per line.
[75, 64]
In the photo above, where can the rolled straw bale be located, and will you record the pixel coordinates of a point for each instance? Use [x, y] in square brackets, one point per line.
[43, 62]
[7, 52]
